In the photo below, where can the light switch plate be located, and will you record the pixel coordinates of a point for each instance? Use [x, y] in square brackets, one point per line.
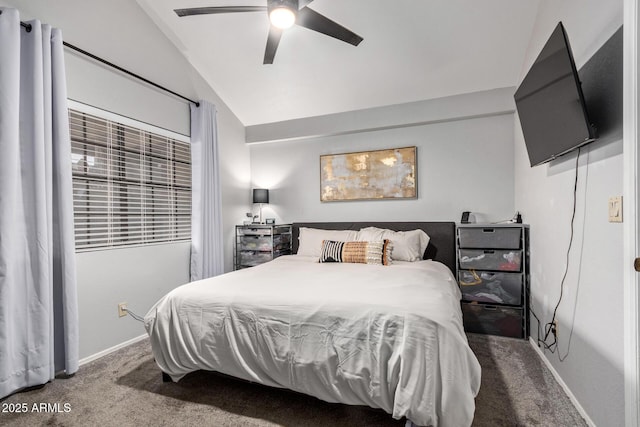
[615, 209]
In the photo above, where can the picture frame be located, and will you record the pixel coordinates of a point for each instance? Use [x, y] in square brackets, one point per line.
[388, 174]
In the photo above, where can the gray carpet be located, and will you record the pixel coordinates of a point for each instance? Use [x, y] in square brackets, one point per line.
[125, 389]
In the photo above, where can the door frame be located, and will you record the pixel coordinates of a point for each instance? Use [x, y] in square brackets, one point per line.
[630, 212]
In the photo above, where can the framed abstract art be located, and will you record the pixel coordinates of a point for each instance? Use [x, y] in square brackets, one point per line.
[369, 175]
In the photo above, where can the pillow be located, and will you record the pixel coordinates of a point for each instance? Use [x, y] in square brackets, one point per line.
[310, 239]
[357, 252]
[407, 245]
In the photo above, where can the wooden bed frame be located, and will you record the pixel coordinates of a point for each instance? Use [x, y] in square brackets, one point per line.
[442, 243]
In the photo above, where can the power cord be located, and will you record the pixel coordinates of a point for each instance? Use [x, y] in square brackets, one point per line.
[550, 328]
[515, 219]
[135, 316]
[540, 341]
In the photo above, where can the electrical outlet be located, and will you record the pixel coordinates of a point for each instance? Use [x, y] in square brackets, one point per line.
[122, 309]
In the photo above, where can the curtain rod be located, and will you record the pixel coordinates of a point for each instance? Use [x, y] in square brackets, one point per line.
[112, 65]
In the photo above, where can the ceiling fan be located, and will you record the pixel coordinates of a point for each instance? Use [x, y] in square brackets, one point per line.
[283, 14]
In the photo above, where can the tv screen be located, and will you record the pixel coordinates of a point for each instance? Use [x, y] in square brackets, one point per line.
[550, 103]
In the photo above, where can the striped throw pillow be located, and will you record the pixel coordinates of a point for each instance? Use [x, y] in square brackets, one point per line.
[378, 252]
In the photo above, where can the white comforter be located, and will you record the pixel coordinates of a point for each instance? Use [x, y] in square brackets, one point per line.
[389, 337]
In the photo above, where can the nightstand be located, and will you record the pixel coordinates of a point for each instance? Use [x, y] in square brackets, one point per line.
[258, 243]
[493, 275]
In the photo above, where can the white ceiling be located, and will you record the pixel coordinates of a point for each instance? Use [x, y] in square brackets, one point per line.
[412, 50]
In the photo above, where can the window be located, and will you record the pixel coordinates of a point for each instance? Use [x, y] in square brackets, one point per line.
[130, 186]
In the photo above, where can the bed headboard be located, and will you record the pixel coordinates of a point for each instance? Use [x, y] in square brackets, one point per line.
[441, 247]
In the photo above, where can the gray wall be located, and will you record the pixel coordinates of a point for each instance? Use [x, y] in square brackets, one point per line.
[119, 31]
[138, 276]
[590, 355]
[463, 164]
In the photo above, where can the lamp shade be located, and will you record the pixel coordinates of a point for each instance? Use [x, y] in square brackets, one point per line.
[260, 195]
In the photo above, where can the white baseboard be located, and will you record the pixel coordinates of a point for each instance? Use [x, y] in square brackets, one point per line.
[103, 353]
[560, 381]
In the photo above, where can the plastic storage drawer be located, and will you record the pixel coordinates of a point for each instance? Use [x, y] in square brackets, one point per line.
[499, 260]
[263, 243]
[491, 287]
[256, 232]
[490, 237]
[250, 258]
[255, 243]
[493, 320]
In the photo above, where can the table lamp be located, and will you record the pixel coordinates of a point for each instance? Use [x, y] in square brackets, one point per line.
[260, 195]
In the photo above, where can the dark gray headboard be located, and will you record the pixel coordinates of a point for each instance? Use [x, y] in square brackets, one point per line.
[441, 247]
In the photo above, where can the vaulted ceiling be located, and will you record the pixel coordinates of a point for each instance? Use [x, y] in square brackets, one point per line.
[412, 50]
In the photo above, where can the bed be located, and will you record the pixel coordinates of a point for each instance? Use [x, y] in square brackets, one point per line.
[385, 336]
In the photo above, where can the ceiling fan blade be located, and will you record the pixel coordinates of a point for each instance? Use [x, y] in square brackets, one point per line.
[312, 20]
[272, 44]
[221, 9]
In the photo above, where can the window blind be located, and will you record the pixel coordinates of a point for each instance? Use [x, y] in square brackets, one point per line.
[130, 186]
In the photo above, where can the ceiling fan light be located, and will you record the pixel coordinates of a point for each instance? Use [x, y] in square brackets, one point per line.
[282, 17]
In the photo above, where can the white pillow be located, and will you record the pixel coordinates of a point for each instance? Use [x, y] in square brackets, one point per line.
[310, 239]
[407, 245]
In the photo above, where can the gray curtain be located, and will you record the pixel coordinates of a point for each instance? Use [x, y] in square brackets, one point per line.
[38, 301]
[207, 257]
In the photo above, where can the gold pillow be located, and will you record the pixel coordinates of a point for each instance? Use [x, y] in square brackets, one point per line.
[376, 252]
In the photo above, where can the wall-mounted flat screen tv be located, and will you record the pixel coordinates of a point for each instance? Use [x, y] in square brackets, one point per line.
[551, 105]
